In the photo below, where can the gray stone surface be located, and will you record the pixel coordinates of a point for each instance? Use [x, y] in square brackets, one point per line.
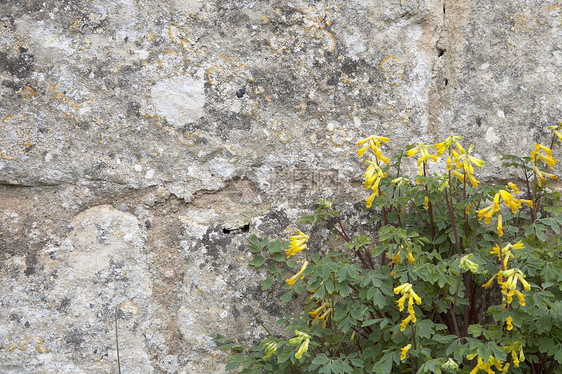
[141, 142]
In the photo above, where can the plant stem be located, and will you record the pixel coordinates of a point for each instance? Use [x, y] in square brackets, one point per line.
[429, 207]
[452, 307]
[258, 320]
[452, 216]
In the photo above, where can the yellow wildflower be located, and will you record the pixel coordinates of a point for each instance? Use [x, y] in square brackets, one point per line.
[372, 177]
[407, 292]
[426, 202]
[543, 175]
[510, 201]
[423, 150]
[449, 162]
[537, 156]
[402, 288]
[270, 348]
[401, 302]
[489, 283]
[411, 258]
[404, 352]
[487, 213]
[556, 130]
[521, 297]
[298, 243]
[509, 286]
[513, 187]
[300, 338]
[458, 175]
[486, 366]
[442, 147]
[505, 369]
[405, 322]
[293, 279]
[323, 316]
[376, 139]
[302, 349]
[508, 321]
[317, 311]
[500, 227]
[466, 264]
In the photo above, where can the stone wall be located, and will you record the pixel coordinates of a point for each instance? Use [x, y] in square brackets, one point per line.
[141, 142]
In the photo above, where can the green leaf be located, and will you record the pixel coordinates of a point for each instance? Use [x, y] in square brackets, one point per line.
[379, 300]
[254, 249]
[267, 283]
[329, 286]
[370, 322]
[320, 292]
[540, 232]
[253, 239]
[424, 328]
[544, 324]
[384, 365]
[432, 366]
[257, 261]
[320, 360]
[498, 351]
[286, 297]
[275, 246]
[475, 330]
[284, 356]
[231, 366]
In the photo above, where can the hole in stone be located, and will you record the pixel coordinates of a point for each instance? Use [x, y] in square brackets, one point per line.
[440, 52]
[241, 92]
[244, 228]
[446, 82]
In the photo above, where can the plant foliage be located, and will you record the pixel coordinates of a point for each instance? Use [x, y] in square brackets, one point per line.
[462, 277]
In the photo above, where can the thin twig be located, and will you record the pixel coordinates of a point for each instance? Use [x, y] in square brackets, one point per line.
[258, 320]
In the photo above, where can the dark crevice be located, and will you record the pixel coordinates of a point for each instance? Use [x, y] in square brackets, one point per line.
[244, 228]
[446, 82]
[440, 52]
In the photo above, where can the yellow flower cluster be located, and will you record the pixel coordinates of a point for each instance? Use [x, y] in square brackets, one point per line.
[270, 348]
[294, 278]
[404, 352]
[374, 172]
[556, 129]
[373, 143]
[488, 365]
[467, 264]
[423, 150]
[450, 141]
[509, 286]
[297, 244]
[516, 351]
[537, 157]
[372, 178]
[321, 317]
[302, 339]
[505, 252]
[407, 292]
[508, 199]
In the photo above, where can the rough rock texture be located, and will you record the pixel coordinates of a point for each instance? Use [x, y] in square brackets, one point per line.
[141, 142]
